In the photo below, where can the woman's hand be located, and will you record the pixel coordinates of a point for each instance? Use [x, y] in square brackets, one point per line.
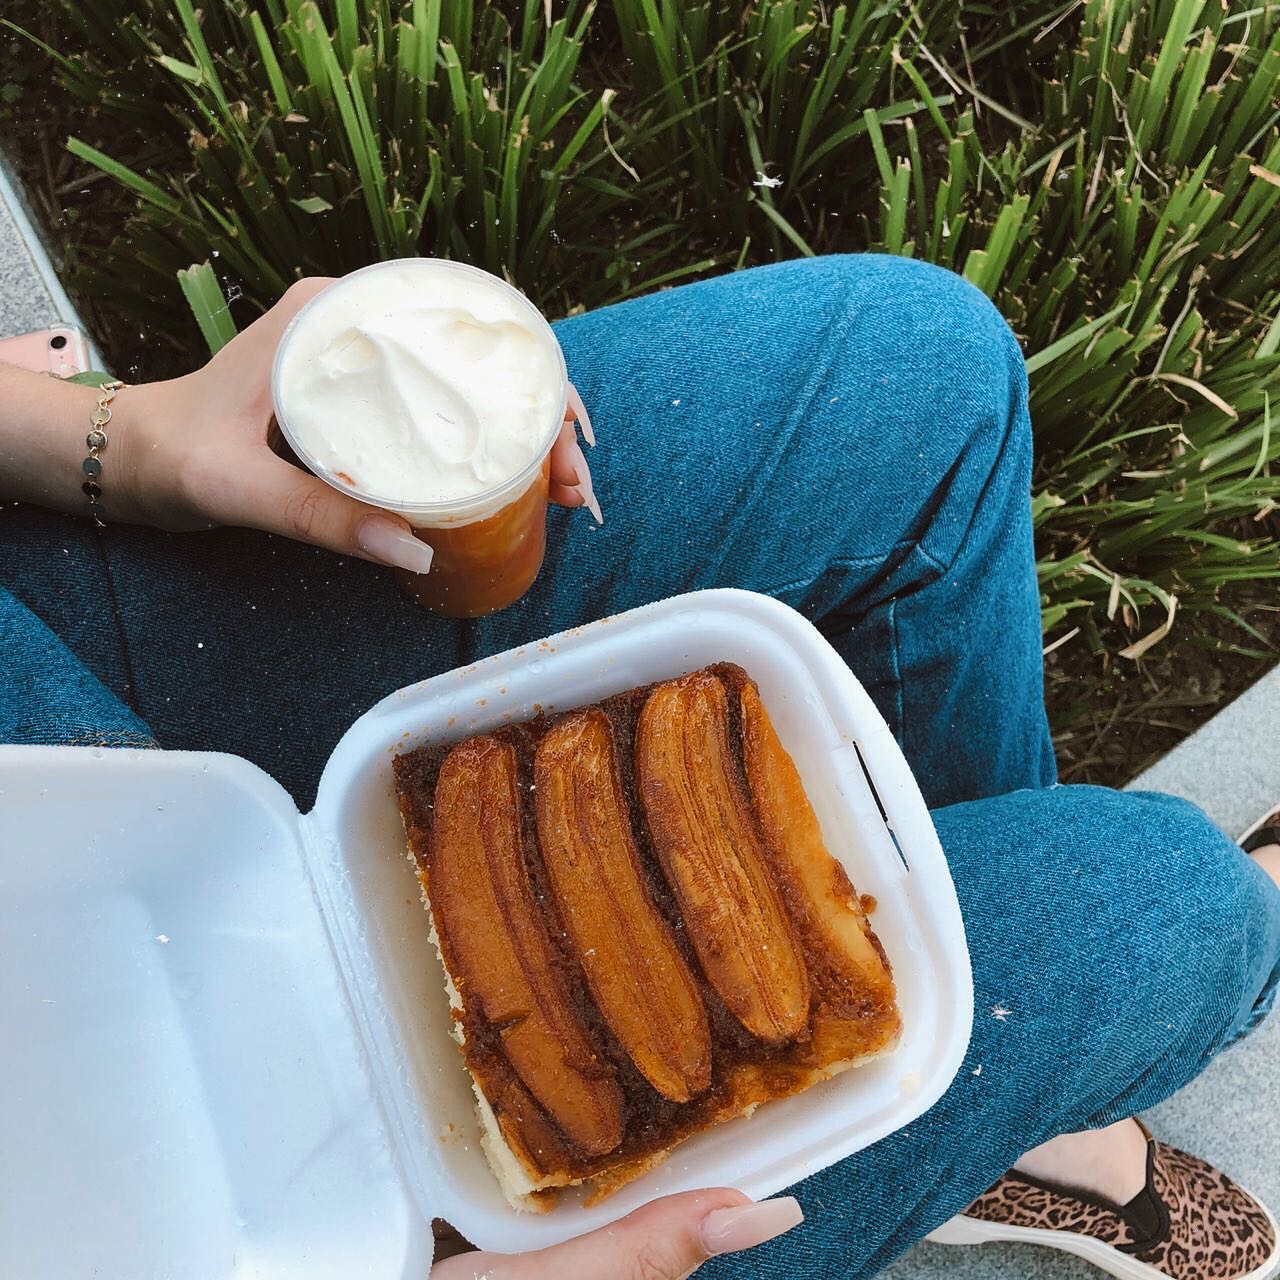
[194, 452]
[666, 1240]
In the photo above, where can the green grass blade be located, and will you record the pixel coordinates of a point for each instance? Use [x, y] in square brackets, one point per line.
[208, 304]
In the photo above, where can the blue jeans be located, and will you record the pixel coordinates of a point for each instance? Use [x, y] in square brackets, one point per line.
[849, 434]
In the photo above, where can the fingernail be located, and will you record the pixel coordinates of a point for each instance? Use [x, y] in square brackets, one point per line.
[389, 541]
[729, 1230]
[580, 412]
[583, 472]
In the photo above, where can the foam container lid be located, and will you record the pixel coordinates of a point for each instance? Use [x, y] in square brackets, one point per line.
[227, 1048]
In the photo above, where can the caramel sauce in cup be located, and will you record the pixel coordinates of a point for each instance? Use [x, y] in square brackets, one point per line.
[484, 566]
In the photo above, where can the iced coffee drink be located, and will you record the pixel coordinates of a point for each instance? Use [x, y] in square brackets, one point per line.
[435, 390]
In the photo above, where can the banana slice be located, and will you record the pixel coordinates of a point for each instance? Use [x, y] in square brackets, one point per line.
[498, 950]
[640, 981]
[704, 834]
[860, 994]
[791, 828]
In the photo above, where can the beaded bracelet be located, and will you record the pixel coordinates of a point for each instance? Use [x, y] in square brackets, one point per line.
[97, 442]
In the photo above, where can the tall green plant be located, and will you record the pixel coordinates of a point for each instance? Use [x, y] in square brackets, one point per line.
[1108, 172]
[1125, 235]
[320, 138]
[763, 104]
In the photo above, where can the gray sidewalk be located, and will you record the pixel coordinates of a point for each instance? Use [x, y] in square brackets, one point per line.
[30, 295]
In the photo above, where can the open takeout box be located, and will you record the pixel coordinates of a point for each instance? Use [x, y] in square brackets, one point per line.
[225, 1032]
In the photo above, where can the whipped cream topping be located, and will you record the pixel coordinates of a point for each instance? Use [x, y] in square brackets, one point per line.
[415, 382]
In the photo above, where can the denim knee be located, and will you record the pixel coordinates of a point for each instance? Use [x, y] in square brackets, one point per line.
[1186, 936]
[942, 387]
[949, 332]
[942, 300]
[951, 366]
[1222, 913]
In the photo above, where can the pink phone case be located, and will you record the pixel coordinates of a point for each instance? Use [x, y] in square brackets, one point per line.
[61, 350]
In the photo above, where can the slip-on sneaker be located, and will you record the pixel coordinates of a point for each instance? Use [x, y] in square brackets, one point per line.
[1263, 832]
[1190, 1222]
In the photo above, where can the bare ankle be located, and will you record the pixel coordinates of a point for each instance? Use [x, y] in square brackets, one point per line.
[1110, 1162]
[1268, 858]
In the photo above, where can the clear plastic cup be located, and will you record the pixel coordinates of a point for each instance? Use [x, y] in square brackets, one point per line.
[488, 547]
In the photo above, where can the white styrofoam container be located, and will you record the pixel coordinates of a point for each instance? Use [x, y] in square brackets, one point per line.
[226, 1048]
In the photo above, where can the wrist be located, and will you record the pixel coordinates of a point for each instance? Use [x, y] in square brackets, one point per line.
[43, 425]
[123, 486]
[152, 477]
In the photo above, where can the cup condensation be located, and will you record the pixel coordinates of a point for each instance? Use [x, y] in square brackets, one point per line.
[487, 547]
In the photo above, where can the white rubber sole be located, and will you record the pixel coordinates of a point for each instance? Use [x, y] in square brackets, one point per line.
[963, 1230]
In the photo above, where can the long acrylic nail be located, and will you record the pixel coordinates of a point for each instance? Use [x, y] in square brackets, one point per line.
[583, 472]
[387, 540]
[580, 412]
[729, 1230]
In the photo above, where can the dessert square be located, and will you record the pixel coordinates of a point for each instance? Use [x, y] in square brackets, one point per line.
[642, 929]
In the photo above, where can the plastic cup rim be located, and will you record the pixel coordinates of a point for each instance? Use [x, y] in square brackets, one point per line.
[454, 510]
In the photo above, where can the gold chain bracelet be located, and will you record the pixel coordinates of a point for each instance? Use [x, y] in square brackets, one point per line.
[97, 442]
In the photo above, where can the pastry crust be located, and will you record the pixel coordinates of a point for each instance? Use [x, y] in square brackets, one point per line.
[643, 931]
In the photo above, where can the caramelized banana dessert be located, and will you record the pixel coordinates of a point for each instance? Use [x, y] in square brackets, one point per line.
[643, 931]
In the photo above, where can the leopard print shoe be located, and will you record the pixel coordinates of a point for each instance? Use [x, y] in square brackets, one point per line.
[1189, 1222]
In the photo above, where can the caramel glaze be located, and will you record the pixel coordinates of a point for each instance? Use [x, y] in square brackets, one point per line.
[852, 1009]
